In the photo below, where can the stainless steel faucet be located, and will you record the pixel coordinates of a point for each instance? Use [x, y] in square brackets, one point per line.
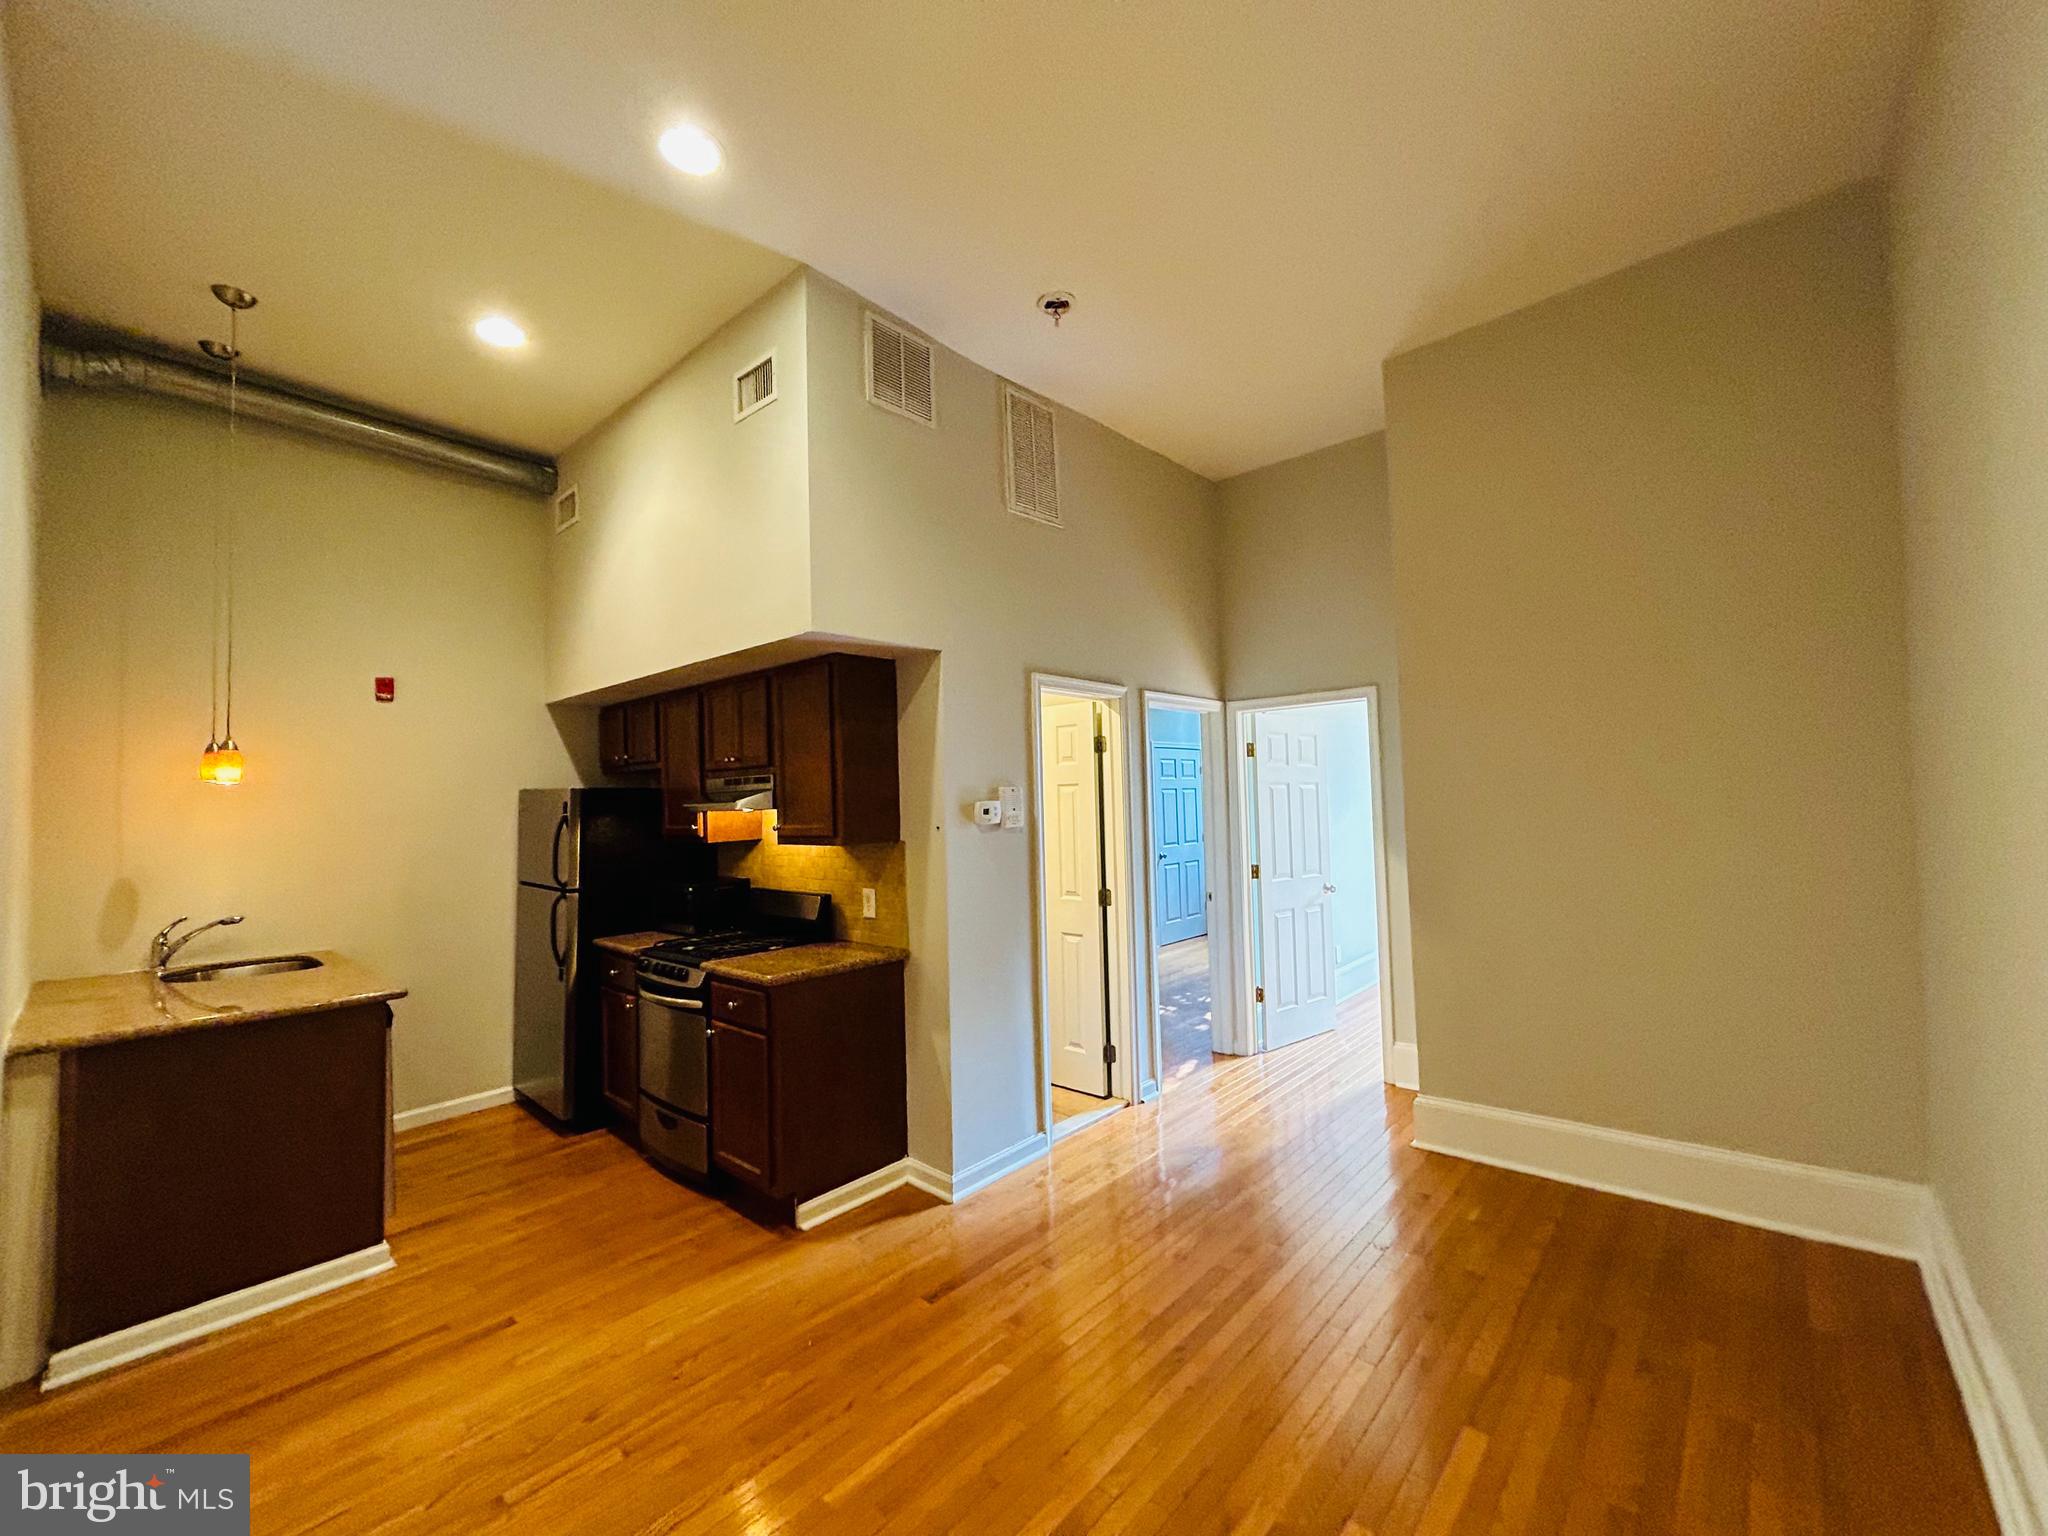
[163, 946]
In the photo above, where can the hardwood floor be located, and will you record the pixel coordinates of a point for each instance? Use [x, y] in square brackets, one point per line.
[1250, 1306]
[1068, 1104]
[1184, 1030]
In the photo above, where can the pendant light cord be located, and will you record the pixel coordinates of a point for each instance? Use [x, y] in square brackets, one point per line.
[234, 379]
[213, 667]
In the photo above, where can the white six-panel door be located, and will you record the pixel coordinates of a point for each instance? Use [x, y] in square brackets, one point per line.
[1297, 939]
[1076, 1001]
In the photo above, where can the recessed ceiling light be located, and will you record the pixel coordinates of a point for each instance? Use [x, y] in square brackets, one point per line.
[500, 331]
[691, 150]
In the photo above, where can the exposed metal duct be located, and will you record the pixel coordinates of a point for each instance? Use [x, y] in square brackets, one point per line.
[115, 367]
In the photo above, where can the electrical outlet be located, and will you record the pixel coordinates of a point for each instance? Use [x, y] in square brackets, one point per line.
[867, 901]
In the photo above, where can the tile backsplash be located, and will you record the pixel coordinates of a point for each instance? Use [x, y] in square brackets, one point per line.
[839, 872]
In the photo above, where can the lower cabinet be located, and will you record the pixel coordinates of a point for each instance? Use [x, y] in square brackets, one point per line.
[619, 1015]
[807, 1080]
[742, 1097]
[199, 1162]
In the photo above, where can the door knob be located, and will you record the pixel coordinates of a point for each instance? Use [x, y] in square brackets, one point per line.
[1331, 889]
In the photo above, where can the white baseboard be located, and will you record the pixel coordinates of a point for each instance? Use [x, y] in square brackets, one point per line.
[1404, 1069]
[989, 1169]
[1355, 976]
[448, 1109]
[2009, 1445]
[927, 1178]
[161, 1333]
[1071, 1125]
[872, 1186]
[1854, 1209]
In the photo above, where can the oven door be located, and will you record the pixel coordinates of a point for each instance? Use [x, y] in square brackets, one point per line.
[675, 1047]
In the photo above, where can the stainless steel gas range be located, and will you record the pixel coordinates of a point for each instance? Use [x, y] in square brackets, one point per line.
[677, 1117]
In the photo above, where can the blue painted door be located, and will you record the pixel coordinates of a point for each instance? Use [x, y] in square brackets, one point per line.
[1182, 893]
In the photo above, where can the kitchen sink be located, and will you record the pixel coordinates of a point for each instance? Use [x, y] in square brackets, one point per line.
[233, 970]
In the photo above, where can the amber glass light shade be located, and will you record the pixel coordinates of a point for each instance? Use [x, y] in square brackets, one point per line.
[221, 764]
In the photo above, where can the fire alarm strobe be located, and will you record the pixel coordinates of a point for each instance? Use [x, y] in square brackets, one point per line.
[387, 689]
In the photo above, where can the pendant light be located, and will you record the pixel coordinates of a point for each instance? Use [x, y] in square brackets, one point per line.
[221, 762]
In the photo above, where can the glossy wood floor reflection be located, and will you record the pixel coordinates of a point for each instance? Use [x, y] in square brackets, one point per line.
[1249, 1307]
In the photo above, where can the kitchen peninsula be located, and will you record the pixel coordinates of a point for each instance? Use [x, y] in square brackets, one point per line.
[223, 1147]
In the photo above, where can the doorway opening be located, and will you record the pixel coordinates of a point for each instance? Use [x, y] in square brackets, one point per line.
[1189, 896]
[1313, 869]
[1085, 951]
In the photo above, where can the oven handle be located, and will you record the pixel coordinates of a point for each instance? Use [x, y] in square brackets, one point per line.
[687, 1004]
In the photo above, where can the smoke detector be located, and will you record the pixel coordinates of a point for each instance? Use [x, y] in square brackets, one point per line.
[1056, 304]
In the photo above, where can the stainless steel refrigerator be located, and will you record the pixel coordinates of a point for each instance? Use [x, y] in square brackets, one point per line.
[592, 862]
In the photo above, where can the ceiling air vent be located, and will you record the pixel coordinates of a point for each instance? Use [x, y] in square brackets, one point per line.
[1031, 476]
[900, 371]
[565, 509]
[753, 388]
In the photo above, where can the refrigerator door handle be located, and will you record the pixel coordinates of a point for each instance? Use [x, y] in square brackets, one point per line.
[555, 853]
[555, 937]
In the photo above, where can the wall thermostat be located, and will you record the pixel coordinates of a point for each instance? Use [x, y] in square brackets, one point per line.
[988, 813]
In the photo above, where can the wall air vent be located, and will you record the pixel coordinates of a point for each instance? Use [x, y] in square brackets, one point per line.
[565, 509]
[1031, 474]
[900, 371]
[753, 388]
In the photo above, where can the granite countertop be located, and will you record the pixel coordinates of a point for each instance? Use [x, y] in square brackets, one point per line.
[804, 962]
[773, 967]
[99, 1010]
[632, 945]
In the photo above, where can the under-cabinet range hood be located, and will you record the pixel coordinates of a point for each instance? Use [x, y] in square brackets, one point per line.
[737, 792]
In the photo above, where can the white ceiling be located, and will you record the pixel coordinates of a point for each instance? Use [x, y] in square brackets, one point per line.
[156, 164]
[1254, 204]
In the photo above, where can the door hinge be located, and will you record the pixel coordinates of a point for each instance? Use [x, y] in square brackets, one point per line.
[1258, 994]
[1251, 749]
[1108, 1054]
[1255, 871]
[1103, 895]
[1101, 743]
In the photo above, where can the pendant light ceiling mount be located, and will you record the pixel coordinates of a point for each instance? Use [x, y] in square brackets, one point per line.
[237, 300]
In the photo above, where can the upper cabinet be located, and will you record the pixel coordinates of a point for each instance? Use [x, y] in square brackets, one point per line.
[736, 735]
[629, 736]
[682, 761]
[835, 751]
[827, 727]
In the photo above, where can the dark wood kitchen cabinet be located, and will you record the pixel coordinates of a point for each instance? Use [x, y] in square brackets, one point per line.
[834, 723]
[682, 761]
[196, 1163]
[742, 1139]
[629, 736]
[807, 1080]
[619, 1017]
[736, 737]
